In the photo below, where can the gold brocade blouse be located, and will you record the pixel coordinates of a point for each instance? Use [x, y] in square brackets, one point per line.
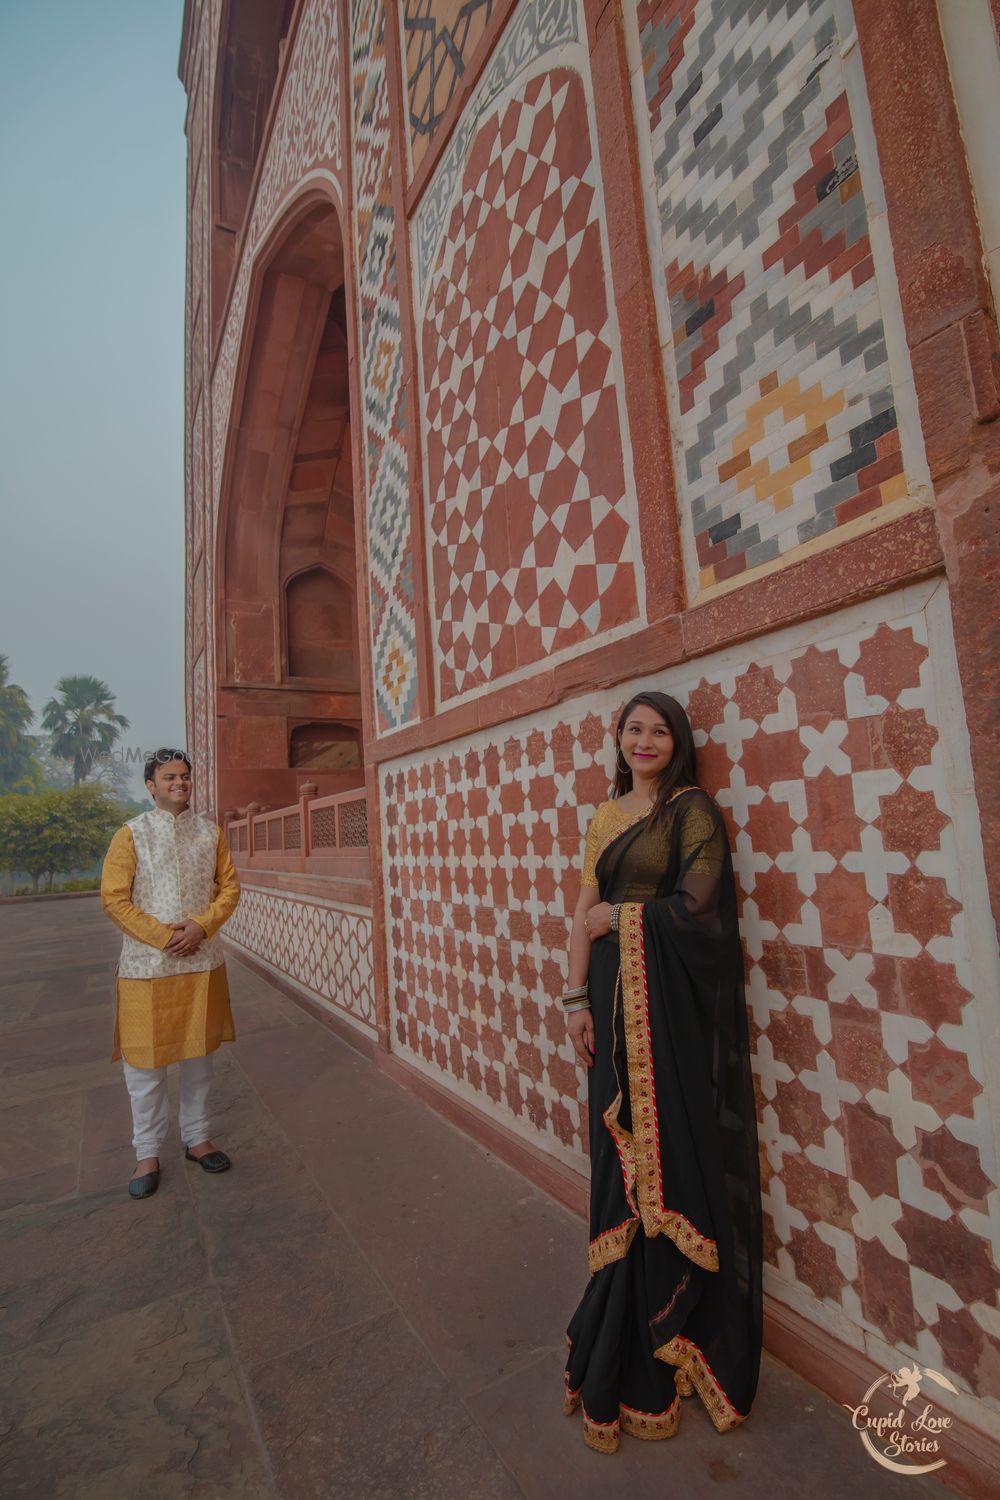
[697, 832]
[607, 823]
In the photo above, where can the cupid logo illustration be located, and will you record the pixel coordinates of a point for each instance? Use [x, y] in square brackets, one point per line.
[907, 1441]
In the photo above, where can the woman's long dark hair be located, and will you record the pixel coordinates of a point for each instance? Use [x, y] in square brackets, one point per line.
[681, 770]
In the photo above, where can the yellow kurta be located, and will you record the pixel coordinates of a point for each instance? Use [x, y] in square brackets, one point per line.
[164, 1020]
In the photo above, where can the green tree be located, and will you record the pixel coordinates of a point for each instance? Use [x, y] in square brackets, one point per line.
[82, 722]
[19, 770]
[56, 831]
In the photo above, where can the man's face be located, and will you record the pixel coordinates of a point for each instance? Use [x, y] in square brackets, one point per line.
[170, 787]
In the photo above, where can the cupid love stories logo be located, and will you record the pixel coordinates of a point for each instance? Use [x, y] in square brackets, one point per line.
[906, 1441]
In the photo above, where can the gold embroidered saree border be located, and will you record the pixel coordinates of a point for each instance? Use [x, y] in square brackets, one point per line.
[611, 1245]
[601, 1436]
[652, 1427]
[625, 1148]
[645, 1138]
[702, 1251]
[604, 1437]
[687, 1357]
[619, 1238]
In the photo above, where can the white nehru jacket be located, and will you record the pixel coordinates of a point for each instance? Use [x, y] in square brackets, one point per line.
[174, 875]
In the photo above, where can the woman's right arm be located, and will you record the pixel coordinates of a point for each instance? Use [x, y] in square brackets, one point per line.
[580, 1023]
[579, 940]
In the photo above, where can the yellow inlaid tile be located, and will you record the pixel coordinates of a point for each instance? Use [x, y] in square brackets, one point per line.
[894, 489]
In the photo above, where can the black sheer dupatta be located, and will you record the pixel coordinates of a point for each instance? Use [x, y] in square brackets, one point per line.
[690, 1159]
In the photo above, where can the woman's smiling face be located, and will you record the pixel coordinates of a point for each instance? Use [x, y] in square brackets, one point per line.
[646, 742]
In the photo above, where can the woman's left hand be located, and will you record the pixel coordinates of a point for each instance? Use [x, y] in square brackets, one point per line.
[598, 920]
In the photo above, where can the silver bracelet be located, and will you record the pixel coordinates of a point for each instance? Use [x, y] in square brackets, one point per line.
[571, 1005]
[616, 912]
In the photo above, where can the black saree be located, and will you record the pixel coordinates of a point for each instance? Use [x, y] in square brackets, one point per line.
[674, 1300]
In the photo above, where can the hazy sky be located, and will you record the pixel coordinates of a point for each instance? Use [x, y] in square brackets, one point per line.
[92, 352]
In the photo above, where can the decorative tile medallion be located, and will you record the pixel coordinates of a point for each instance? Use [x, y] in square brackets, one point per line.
[776, 348]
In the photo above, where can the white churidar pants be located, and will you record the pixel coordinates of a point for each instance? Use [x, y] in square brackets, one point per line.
[147, 1089]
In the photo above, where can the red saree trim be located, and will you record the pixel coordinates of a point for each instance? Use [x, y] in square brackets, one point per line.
[645, 1138]
[687, 1357]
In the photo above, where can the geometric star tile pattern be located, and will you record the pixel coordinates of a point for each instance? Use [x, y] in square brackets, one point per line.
[776, 347]
[528, 506]
[323, 948]
[828, 748]
[383, 395]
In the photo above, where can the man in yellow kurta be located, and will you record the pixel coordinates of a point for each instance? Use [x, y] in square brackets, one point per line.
[169, 883]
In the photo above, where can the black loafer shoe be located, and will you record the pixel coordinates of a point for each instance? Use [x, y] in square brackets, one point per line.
[212, 1161]
[145, 1186]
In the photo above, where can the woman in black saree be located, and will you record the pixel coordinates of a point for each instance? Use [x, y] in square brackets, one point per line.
[657, 1013]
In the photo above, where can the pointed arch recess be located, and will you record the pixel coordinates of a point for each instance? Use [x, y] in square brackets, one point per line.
[287, 508]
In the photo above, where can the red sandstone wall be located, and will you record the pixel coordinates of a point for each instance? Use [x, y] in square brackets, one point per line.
[838, 754]
[587, 462]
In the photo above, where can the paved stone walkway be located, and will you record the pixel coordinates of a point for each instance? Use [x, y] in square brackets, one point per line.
[368, 1306]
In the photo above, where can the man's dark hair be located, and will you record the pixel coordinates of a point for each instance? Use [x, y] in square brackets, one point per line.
[160, 758]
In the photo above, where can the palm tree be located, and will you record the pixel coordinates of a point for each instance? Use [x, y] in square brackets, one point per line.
[15, 710]
[82, 722]
[16, 745]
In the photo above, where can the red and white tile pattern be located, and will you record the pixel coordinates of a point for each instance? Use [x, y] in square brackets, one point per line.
[837, 751]
[324, 948]
[529, 504]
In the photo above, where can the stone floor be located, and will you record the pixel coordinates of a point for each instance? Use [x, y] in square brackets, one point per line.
[368, 1305]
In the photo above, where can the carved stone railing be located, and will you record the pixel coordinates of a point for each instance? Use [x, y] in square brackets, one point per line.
[316, 835]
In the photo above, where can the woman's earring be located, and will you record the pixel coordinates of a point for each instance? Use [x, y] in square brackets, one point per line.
[623, 770]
